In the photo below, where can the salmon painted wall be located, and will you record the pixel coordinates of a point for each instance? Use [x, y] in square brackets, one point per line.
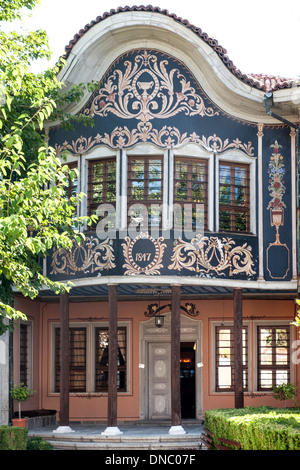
[94, 406]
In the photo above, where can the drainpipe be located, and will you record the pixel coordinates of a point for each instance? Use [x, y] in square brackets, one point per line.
[268, 103]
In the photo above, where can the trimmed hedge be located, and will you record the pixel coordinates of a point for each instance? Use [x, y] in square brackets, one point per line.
[13, 438]
[38, 443]
[262, 428]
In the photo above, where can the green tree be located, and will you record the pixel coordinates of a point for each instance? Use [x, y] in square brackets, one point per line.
[35, 212]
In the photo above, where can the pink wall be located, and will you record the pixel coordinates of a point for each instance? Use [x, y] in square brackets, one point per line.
[94, 406]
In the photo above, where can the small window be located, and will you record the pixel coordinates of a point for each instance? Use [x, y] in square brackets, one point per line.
[190, 191]
[225, 359]
[234, 198]
[25, 354]
[102, 339]
[145, 188]
[77, 338]
[273, 356]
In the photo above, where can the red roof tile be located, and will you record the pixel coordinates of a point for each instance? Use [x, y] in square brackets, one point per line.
[259, 81]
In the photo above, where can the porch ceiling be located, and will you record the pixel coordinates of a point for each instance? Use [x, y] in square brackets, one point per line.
[134, 291]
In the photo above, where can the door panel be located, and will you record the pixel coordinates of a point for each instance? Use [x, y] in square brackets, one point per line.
[159, 380]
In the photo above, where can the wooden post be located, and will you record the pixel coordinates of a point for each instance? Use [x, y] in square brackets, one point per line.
[238, 348]
[64, 360]
[112, 428]
[175, 362]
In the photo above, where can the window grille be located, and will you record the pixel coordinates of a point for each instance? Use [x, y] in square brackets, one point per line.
[273, 356]
[24, 356]
[225, 358]
[77, 338]
[101, 365]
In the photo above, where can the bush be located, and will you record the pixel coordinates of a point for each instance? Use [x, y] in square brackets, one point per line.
[262, 428]
[13, 438]
[37, 443]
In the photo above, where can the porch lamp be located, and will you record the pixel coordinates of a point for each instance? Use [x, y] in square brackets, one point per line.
[155, 309]
[159, 321]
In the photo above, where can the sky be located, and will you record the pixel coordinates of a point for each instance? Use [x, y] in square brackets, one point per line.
[260, 36]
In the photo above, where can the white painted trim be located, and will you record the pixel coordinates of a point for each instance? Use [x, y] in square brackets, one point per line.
[294, 210]
[180, 280]
[260, 204]
[101, 45]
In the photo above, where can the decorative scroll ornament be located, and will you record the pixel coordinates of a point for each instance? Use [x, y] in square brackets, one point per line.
[146, 259]
[87, 257]
[210, 254]
[167, 137]
[147, 89]
[276, 188]
[278, 254]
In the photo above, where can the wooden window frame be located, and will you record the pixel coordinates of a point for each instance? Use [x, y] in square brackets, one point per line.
[273, 368]
[190, 161]
[103, 368]
[74, 368]
[92, 206]
[25, 354]
[234, 208]
[145, 201]
[230, 387]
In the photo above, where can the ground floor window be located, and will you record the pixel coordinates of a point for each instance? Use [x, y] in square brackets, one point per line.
[273, 351]
[225, 358]
[101, 364]
[77, 338]
[26, 354]
[89, 358]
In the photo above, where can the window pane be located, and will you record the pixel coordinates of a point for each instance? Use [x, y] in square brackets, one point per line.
[137, 190]
[225, 220]
[225, 196]
[225, 174]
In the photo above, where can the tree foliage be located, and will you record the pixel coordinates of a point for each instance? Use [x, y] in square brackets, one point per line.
[36, 214]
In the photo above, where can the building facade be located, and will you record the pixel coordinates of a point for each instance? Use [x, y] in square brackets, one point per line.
[191, 271]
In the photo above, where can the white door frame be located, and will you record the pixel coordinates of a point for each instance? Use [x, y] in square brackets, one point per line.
[190, 331]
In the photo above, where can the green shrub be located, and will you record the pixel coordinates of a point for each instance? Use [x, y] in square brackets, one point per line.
[262, 428]
[37, 443]
[285, 392]
[13, 438]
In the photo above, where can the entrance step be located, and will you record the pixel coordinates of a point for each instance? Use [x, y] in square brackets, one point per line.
[135, 438]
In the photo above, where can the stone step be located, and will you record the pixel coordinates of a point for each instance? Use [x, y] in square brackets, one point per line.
[132, 441]
[126, 445]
